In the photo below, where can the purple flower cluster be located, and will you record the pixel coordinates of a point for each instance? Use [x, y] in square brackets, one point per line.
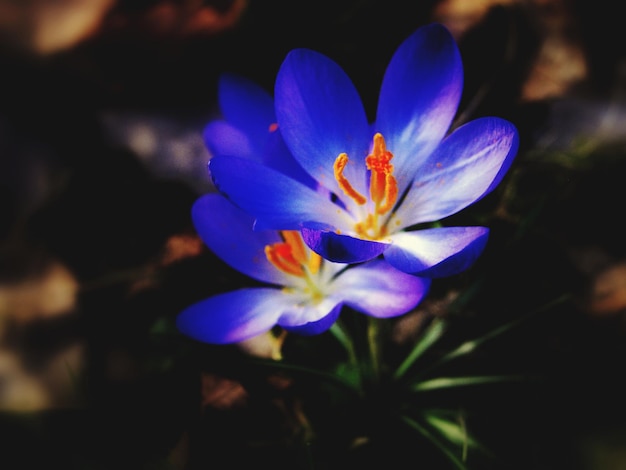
[322, 204]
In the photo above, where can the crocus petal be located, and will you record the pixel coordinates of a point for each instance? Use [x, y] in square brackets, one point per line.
[302, 312]
[379, 290]
[437, 252]
[233, 316]
[320, 115]
[277, 201]
[227, 231]
[247, 106]
[419, 97]
[466, 166]
[341, 248]
[316, 327]
[277, 156]
[221, 138]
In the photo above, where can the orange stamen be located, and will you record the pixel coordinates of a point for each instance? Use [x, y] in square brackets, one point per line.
[344, 184]
[391, 195]
[294, 240]
[292, 256]
[281, 256]
[383, 188]
[273, 127]
[383, 185]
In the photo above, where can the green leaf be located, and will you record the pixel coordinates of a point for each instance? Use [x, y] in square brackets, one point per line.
[453, 431]
[456, 461]
[470, 346]
[434, 331]
[450, 382]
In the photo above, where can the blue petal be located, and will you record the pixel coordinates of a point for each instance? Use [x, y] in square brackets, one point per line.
[437, 252]
[221, 138]
[316, 327]
[227, 231]
[278, 157]
[419, 97]
[247, 106]
[320, 115]
[302, 310]
[340, 248]
[249, 113]
[231, 317]
[277, 201]
[379, 290]
[465, 167]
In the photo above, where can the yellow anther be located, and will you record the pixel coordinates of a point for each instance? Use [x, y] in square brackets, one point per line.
[344, 184]
[315, 261]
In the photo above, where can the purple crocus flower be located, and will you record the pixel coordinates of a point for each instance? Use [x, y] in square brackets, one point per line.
[305, 293]
[403, 172]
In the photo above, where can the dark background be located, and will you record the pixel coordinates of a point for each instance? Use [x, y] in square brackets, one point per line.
[101, 157]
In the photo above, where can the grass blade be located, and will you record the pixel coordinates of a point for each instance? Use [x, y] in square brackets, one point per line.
[456, 461]
[450, 382]
[434, 331]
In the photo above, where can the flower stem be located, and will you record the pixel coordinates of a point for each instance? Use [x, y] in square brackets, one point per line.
[373, 341]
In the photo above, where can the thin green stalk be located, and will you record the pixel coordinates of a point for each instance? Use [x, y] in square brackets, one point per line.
[309, 456]
[465, 439]
[374, 346]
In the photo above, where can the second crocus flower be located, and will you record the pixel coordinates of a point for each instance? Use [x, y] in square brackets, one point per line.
[303, 293]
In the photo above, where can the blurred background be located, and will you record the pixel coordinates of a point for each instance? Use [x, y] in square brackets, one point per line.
[102, 107]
